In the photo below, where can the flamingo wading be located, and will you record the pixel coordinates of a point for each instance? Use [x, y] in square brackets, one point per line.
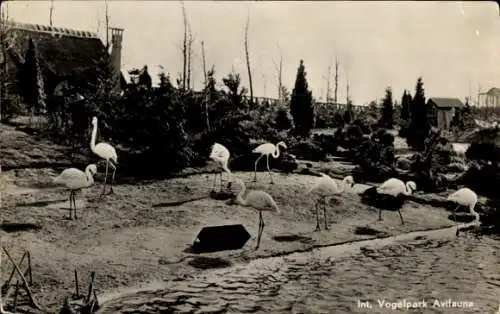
[397, 189]
[260, 201]
[464, 197]
[326, 187]
[266, 150]
[75, 180]
[106, 152]
[220, 154]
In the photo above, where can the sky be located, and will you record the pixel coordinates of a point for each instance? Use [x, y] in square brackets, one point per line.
[454, 46]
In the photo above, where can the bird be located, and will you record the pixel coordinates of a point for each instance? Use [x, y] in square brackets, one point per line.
[393, 192]
[106, 152]
[220, 154]
[260, 201]
[325, 187]
[75, 180]
[464, 197]
[266, 150]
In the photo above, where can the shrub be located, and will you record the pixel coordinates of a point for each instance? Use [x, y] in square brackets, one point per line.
[308, 150]
[327, 142]
[283, 120]
[483, 152]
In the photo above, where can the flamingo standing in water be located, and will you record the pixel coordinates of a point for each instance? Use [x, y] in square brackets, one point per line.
[266, 150]
[260, 201]
[220, 154]
[464, 197]
[75, 180]
[328, 187]
[106, 152]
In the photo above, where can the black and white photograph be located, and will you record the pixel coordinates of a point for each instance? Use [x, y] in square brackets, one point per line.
[305, 157]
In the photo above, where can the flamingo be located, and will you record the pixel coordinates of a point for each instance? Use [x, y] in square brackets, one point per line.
[266, 150]
[260, 201]
[397, 189]
[106, 152]
[75, 180]
[464, 197]
[325, 187]
[220, 154]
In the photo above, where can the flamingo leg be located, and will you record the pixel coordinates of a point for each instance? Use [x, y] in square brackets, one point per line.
[215, 180]
[317, 216]
[401, 216]
[74, 204]
[261, 228]
[70, 204]
[255, 169]
[269, 170]
[112, 178]
[105, 178]
[380, 214]
[455, 218]
[220, 174]
[324, 213]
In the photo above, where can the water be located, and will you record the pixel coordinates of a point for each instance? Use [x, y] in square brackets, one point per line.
[331, 280]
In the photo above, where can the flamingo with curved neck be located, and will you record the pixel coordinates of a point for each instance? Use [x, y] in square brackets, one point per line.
[267, 149]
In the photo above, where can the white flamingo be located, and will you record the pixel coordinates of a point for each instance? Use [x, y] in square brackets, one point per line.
[220, 154]
[396, 188]
[106, 152]
[465, 197]
[326, 187]
[266, 150]
[259, 200]
[75, 180]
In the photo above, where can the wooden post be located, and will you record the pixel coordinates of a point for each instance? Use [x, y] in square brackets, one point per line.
[25, 283]
[91, 286]
[29, 268]
[6, 285]
[14, 306]
[76, 285]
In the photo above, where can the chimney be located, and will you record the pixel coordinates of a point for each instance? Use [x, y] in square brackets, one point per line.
[116, 51]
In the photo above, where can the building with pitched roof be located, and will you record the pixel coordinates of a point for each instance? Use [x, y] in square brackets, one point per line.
[490, 99]
[442, 110]
[67, 58]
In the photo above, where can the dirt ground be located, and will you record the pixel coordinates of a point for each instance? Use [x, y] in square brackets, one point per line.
[129, 242]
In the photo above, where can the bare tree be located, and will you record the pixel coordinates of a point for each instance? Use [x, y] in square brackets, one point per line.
[336, 78]
[248, 58]
[184, 47]
[279, 70]
[203, 60]
[7, 40]
[51, 12]
[107, 24]
[327, 78]
[189, 57]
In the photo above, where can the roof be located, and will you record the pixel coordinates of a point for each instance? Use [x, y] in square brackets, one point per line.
[493, 91]
[446, 102]
[63, 52]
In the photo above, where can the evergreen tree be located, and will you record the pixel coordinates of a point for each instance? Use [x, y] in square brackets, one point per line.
[405, 106]
[301, 104]
[463, 118]
[387, 110]
[419, 126]
[348, 113]
[32, 81]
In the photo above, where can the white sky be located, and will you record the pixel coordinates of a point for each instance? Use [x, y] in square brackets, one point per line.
[452, 45]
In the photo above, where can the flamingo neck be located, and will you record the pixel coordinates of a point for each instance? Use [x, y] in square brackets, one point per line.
[225, 167]
[276, 152]
[92, 138]
[239, 197]
[408, 189]
[90, 178]
[343, 186]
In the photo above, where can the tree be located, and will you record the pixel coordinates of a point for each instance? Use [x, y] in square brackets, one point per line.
[301, 105]
[32, 81]
[249, 68]
[348, 113]
[419, 126]
[463, 119]
[387, 111]
[405, 106]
